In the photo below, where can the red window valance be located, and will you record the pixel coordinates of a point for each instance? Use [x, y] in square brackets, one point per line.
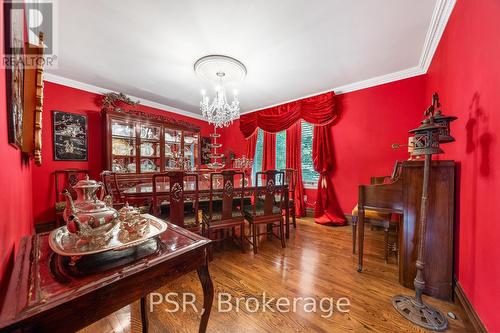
[318, 110]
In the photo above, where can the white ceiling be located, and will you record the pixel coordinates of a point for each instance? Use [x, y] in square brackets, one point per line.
[291, 48]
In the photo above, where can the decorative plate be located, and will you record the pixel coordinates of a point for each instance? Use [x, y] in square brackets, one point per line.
[148, 165]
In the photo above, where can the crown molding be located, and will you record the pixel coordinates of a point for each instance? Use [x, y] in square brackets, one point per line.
[379, 80]
[440, 17]
[99, 90]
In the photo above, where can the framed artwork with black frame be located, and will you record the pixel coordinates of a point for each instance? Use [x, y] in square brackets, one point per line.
[14, 24]
[70, 136]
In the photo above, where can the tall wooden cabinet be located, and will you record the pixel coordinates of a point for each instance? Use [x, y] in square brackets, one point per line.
[140, 143]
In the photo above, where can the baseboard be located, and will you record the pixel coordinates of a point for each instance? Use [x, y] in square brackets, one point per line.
[469, 310]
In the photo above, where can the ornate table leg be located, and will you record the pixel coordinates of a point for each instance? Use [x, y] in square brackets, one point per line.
[208, 295]
[144, 315]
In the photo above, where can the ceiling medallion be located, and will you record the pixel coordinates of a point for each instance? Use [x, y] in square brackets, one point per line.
[220, 69]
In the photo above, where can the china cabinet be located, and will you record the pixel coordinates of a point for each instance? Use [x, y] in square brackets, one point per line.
[139, 143]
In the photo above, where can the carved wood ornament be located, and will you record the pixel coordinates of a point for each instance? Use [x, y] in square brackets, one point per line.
[33, 102]
[177, 192]
[110, 102]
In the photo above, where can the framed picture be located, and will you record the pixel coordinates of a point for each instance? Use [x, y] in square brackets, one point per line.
[205, 150]
[70, 136]
[14, 56]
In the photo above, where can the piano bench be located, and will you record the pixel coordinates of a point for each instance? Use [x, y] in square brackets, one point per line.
[381, 219]
[373, 214]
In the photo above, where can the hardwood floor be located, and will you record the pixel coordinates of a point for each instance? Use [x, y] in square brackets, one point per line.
[317, 263]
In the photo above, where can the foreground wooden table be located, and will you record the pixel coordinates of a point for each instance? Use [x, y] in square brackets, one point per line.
[46, 295]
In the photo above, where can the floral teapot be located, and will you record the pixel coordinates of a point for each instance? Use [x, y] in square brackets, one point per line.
[88, 212]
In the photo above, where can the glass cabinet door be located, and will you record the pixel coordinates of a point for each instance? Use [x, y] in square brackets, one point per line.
[150, 148]
[173, 148]
[123, 147]
[191, 150]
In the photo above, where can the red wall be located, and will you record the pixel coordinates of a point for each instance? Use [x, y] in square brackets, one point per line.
[370, 121]
[15, 183]
[466, 73]
[62, 98]
[233, 140]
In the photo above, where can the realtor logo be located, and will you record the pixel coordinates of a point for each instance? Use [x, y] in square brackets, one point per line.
[25, 23]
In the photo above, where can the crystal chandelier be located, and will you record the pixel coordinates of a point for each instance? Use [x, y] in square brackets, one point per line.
[220, 70]
[220, 113]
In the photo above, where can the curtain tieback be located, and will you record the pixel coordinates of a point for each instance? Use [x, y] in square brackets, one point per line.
[323, 180]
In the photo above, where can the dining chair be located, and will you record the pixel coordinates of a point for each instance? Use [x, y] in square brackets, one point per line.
[267, 207]
[65, 179]
[291, 181]
[112, 189]
[176, 198]
[225, 207]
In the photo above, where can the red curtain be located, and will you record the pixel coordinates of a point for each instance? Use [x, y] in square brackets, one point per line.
[294, 161]
[317, 110]
[269, 151]
[327, 210]
[250, 146]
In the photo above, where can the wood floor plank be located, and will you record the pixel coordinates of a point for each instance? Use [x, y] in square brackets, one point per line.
[317, 263]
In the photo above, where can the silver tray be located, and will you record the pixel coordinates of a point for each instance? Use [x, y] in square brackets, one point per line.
[65, 243]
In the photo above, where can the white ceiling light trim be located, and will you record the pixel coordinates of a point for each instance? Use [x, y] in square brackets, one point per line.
[209, 67]
[99, 90]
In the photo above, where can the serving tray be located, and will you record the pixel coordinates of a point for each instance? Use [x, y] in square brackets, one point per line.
[64, 243]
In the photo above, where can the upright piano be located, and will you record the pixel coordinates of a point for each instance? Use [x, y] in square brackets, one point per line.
[402, 194]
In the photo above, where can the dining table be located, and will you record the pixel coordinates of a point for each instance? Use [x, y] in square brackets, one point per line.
[144, 191]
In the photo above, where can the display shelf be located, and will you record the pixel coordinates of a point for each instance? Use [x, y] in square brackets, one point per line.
[163, 139]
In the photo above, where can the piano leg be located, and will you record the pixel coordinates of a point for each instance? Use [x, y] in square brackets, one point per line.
[386, 241]
[361, 228]
[354, 227]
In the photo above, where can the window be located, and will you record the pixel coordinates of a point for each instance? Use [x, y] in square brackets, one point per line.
[309, 175]
[257, 161]
[281, 150]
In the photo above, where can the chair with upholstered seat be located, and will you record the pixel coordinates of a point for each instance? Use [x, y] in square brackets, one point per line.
[176, 198]
[267, 207]
[291, 182]
[225, 210]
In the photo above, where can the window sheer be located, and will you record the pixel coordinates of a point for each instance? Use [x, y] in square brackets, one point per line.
[309, 175]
